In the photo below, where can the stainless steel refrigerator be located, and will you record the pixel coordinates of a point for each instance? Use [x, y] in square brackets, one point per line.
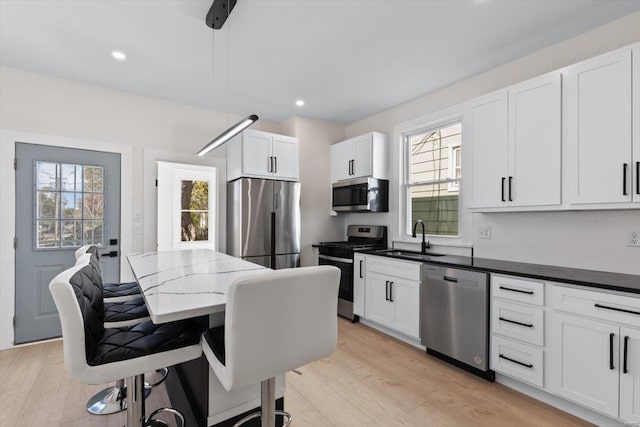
[263, 221]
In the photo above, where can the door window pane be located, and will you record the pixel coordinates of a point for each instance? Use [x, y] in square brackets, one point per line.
[93, 233]
[194, 216]
[47, 176]
[93, 206]
[93, 179]
[47, 234]
[71, 233]
[69, 205]
[71, 177]
[47, 204]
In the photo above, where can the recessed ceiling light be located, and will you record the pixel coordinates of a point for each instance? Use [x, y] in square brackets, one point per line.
[118, 56]
[299, 102]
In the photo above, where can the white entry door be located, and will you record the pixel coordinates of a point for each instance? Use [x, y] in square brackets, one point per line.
[65, 198]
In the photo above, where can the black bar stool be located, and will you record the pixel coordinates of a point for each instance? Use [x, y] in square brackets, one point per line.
[94, 354]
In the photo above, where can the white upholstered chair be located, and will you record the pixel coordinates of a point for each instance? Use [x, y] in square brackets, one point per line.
[94, 354]
[274, 323]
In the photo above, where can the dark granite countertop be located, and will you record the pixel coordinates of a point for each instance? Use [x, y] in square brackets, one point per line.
[576, 276]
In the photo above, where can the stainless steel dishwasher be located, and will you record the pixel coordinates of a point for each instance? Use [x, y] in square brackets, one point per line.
[454, 317]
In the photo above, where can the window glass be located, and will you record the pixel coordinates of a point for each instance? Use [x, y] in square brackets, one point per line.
[194, 216]
[433, 178]
[69, 205]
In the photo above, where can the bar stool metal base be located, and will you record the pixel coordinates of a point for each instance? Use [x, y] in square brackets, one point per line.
[110, 400]
[136, 406]
[267, 407]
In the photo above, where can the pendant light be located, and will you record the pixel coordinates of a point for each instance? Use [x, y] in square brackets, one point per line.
[216, 17]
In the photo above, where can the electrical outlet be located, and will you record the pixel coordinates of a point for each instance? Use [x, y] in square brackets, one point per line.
[484, 232]
[633, 238]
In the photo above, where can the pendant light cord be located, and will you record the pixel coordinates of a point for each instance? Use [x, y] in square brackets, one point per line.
[228, 62]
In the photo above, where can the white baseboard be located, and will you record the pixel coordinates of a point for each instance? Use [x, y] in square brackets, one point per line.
[412, 341]
[560, 403]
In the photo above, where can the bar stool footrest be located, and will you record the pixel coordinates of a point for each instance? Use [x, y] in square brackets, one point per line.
[152, 422]
[249, 417]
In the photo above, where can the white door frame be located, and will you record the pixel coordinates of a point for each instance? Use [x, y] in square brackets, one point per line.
[8, 138]
[169, 176]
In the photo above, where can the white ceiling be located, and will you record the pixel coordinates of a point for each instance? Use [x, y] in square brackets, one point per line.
[347, 59]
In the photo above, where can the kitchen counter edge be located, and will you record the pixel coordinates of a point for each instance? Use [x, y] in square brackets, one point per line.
[589, 278]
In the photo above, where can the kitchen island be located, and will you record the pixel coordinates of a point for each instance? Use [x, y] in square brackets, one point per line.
[193, 284]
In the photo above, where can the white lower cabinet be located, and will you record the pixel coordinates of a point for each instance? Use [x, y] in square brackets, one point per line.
[630, 375]
[585, 356]
[579, 344]
[596, 359]
[392, 294]
[359, 261]
[523, 362]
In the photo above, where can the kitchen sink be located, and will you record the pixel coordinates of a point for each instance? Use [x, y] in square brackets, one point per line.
[410, 254]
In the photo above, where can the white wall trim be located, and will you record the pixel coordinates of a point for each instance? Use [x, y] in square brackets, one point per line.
[398, 168]
[170, 176]
[150, 202]
[8, 138]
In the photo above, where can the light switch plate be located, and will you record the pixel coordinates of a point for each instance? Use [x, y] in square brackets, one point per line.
[484, 232]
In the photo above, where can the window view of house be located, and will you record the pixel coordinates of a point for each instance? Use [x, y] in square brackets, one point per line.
[434, 175]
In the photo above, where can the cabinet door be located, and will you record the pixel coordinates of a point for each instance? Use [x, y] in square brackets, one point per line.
[487, 127]
[598, 129]
[285, 153]
[405, 314]
[378, 307]
[582, 362]
[362, 156]
[341, 156]
[359, 266]
[630, 379]
[256, 150]
[534, 142]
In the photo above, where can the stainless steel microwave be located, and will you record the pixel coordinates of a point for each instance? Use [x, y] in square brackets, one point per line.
[361, 195]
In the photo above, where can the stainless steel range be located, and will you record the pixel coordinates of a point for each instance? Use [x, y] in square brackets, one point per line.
[340, 254]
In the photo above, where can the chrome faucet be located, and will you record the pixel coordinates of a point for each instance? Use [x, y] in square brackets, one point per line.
[425, 244]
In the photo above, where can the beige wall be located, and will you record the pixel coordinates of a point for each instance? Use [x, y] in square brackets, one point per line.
[47, 105]
[315, 177]
[594, 240]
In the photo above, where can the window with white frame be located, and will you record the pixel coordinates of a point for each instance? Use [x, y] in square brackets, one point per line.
[432, 178]
[186, 206]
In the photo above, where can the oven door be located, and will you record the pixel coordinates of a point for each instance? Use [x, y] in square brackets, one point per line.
[345, 291]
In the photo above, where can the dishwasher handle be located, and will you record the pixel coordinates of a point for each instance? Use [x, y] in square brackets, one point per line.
[450, 279]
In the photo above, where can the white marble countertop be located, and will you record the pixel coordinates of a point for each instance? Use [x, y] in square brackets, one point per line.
[183, 284]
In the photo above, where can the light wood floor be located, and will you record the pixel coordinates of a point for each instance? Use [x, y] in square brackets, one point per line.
[372, 380]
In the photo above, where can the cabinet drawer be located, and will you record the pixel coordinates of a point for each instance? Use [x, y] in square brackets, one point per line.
[521, 322]
[517, 289]
[517, 360]
[600, 305]
[397, 268]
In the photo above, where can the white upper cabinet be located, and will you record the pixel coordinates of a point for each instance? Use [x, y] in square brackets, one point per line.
[535, 132]
[263, 155]
[599, 129]
[515, 143]
[486, 127]
[362, 156]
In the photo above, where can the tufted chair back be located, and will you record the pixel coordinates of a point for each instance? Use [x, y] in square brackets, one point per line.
[77, 293]
[277, 322]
